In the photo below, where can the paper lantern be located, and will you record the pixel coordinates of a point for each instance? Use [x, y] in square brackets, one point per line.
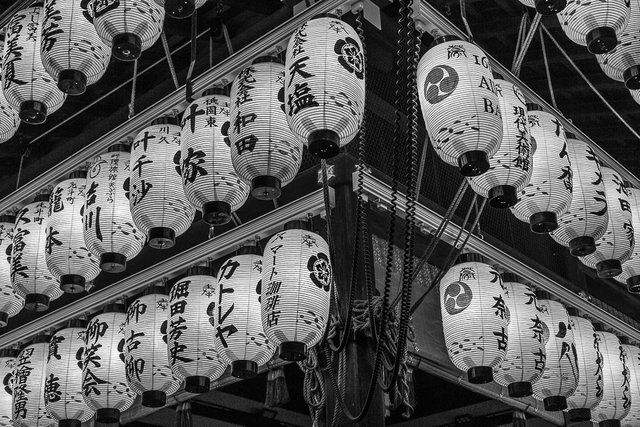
[264, 151]
[72, 53]
[240, 337]
[616, 396]
[27, 86]
[324, 87]
[109, 230]
[630, 275]
[148, 370]
[67, 256]
[632, 359]
[587, 217]
[210, 182]
[510, 168]
[296, 285]
[63, 376]
[180, 9]
[29, 386]
[30, 276]
[560, 377]
[546, 7]
[8, 360]
[9, 118]
[549, 192]
[156, 198]
[192, 348]
[128, 26]
[10, 302]
[617, 244]
[104, 382]
[526, 353]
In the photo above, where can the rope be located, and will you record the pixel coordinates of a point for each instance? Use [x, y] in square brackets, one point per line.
[313, 389]
[523, 25]
[546, 68]
[463, 14]
[525, 45]
[132, 111]
[167, 53]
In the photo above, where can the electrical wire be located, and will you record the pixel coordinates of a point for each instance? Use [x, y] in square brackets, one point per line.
[546, 69]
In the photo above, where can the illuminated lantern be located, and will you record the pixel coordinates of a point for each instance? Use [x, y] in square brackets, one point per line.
[8, 360]
[587, 217]
[63, 376]
[148, 370]
[296, 286]
[616, 396]
[66, 254]
[324, 84]
[109, 230]
[180, 9]
[104, 382]
[617, 244]
[128, 26]
[632, 358]
[510, 168]
[630, 275]
[72, 53]
[210, 182]
[525, 357]
[546, 7]
[10, 302]
[191, 343]
[264, 151]
[240, 290]
[156, 198]
[27, 86]
[548, 194]
[469, 291]
[30, 276]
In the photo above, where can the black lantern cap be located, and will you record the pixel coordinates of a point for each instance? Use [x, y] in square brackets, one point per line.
[33, 112]
[480, 374]
[502, 196]
[36, 302]
[293, 351]
[267, 58]
[244, 369]
[197, 384]
[4, 319]
[510, 277]
[69, 423]
[265, 187]
[543, 222]
[108, 415]
[608, 268]
[79, 174]
[555, 403]
[113, 262]
[469, 257]
[126, 46]
[198, 270]
[156, 289]
[598, 327]
[39, 339]
[179, 9]
[550, 7]
[581, 246]
[531, 106]
[624, 340]
[570, 134]
[609, 423]
[216, 213]
[297, 224]
[8, 218]
[9, 352]
[520, 389]
[497, 75]
[120, 146]
[324, 143]
[540, 294]
[214, 91]
[578, 415]
[154, 398]
[473, 163]
[113, 308]
[632, 77]
[42, 197]
[72, 82]
[444, 39]
[72, 283]
[161, 237]
[601, 40]
[572, 311]
[249, 250]
[165, 120]
[326, 15]
[76, 323]
[633, 284]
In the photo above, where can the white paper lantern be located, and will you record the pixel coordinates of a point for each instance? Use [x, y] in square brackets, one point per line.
[210, 182]
[63, 377]
[191, 343]
[156, 198]
[128, 26]
[109, 230]
[632, 359]
[27, 86]
[546, 7]
[180, 9]
[511, 167]
[10, 302]
[549, 192]
[9, 118]
[587, 217]
[617, 244]
[264, 151]
[324, 88]
[147, 362]
[104, 382]
[8, 360]
[616, 396]
[630, 275]
[296, 285]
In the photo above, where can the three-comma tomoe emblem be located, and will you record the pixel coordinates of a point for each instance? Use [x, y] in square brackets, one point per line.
[457, 297]
[441, 82]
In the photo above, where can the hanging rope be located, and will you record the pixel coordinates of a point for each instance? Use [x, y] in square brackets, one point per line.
[521, 31]
[546, 69]
[313, 389]
[525, 45]
[463, 14]
[132, 111]
[167, 53]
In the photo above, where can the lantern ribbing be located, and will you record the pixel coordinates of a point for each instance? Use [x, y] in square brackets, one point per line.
[632, 358]
[630, 275]
[8, 361]
[10, 302]
[9, 118]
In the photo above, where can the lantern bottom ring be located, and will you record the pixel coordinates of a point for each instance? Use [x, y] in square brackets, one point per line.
[36, 302]
[162, 237]
[72, 283]
[609, 423]
[473, 163]
[126, 46]
[601, 40]
[502, 196]
[543, 222]
[324, 143]
[179, 9]
[579, 415]
[293, 351]
[108, 415]
[197, 384]
[581, 246]
[33, 112]
[520, 389]
[154, 398]
[265, 187]
[555, 403]
[608, 268]
[216, 213]
[72, 82]
[113, 262]
[632, 77]
[480, 374]
[69, 423]
[550, 7]
[4, 319]
[633, 285]
[244, 369]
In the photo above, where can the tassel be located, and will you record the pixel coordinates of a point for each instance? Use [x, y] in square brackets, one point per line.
[519, 419]
[277, 391]
[183, 414]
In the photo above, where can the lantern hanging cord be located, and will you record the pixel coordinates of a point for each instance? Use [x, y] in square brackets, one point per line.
[167, 53]
[546, 69]
[463, 15]
[132, 111]
[525, 45]
[313, 386]
[521, 30]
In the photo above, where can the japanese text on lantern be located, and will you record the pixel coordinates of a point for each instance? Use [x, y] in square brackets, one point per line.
[178, 325]
[223, 332]
[134, 367]
[20, 391]
[95, 331]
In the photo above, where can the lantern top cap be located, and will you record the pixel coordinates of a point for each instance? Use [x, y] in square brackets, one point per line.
[298, 224]
[469, 257]
[598, 327]
[444, 39]
[543, 294]
[267, 58]
[79, 174]
[326, 15]
[8, 218]
[198, 270]
[38, 339]
[112, 308]
[76, 323]
[531, 106]
[214, 91]
[42, 197]
[570, 134]
[573, 311]
[249, 250]
[165, 120]
[498, 76]
[156, 289]
[624, 340]
[511, 277]
[120, 146]
[9, 352]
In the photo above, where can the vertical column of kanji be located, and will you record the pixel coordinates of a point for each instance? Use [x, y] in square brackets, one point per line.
[8, 360]
[616, 396]
[632, 358]
[630, 275]
[9, 118]
[10, 302]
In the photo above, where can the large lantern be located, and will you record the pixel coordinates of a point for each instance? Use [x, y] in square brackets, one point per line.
[63, 376]
[632, 358]
[72, 53]
[546, 7]
[27, 85]
[472, 290]
[8, 360]
[10, 302]
[526, 352]
[587, 217]
[148, 370]
[617, 244]
[67, 256]
[296, 286]
[192, 347]
[548, 195]
[264, 151]
[459, 104]
[324, 86]
[128, 26]
[104, 382]
[210, 182]
[156, 198]
[109, 230]
[630, 275]
[29, 273]
[9, 118]
[180, 9]
[240, 290]
[510, 168]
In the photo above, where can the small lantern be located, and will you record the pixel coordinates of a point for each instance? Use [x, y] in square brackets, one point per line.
[72, 53]
[324, 87]
[510, 168]
[156, 198]
[27, 86]
[548, 195]
[10, 302]
[587, 217]
[264, 151]
[9, 118]
[109, 230]
[617, 244]
[63, 376]
[191, 342]
[180, 9]
[210, 182]
[630, 275]
[296, 286]
[546, 7]
[8, 360]
[632, 357]
[128, 26]
[104, 382]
